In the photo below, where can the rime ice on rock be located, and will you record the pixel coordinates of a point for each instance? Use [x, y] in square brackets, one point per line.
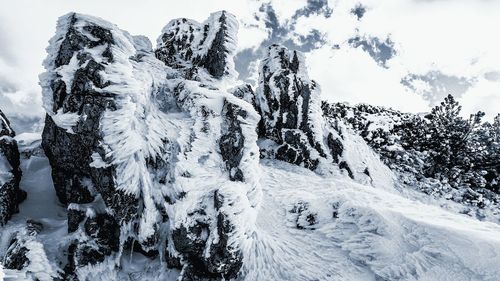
[156, 151]
[207, 232]
[10, 173]
[293, 128]
[289, 104]
[211, 44]
[103, 136]
[26, 255]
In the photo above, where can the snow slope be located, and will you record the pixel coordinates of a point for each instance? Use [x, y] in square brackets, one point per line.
[362, 233]
[358, 232]
[40, 205]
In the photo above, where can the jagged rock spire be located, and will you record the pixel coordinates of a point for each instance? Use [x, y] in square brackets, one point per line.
[289, 105]
[96, 86]
[129, 166]
[10, 173]
[210, 44]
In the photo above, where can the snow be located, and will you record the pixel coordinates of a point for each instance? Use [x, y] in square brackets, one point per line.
[5, 170]
[97, 161]
[359, 156]
[25, 139]
[66, 120]
[363, 233]
[41, 205]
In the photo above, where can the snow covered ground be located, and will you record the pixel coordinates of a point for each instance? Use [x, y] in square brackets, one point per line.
[309, 227]
[362, 233]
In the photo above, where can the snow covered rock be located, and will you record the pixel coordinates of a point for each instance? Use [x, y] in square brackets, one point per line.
[154, 152]
[208, 235]
[97, 87]
[289, 106]
[26, 255]
[211, 44]
[10, 173]
[293, 128]
[246, 93]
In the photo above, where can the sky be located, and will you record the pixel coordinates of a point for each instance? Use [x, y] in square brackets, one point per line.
[404, 54]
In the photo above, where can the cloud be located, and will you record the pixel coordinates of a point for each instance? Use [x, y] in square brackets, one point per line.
[314, 7]
[359, 11]
[380, 50]
[434, 85]
[450, 36]
[351, 75]
[7, 54]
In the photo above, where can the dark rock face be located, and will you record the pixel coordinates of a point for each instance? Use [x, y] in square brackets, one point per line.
[16, 255]
[284, 99]
[232, 141]
[209, 45]
[101, 228]
[70, 150]
[10, 173]
[119, 178]
[223, 260]
[336, 147]
[215, 59]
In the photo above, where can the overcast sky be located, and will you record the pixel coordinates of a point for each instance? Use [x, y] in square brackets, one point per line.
[406, 54]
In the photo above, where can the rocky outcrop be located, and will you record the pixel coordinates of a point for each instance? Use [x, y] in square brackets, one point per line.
[294, 129]
[138, 138]
[152, 151]
[10, 172]
[27, 255]
[290, 109]
[186, 43]
[223, 121]
[86, 92]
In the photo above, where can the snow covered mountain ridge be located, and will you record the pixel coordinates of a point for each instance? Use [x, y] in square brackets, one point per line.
[163, 166]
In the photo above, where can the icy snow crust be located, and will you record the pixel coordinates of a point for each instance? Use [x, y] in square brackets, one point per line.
[363, 233]
[287, 222]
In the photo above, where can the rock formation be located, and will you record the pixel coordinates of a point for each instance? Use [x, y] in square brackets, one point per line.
[147, 147]
[156, 150]
[10, 172]
[290, 106]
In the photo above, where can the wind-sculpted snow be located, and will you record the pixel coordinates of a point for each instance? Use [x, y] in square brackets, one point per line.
[362, 233]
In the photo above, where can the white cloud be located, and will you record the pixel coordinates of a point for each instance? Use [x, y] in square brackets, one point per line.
[352, 75]
[455, 37]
